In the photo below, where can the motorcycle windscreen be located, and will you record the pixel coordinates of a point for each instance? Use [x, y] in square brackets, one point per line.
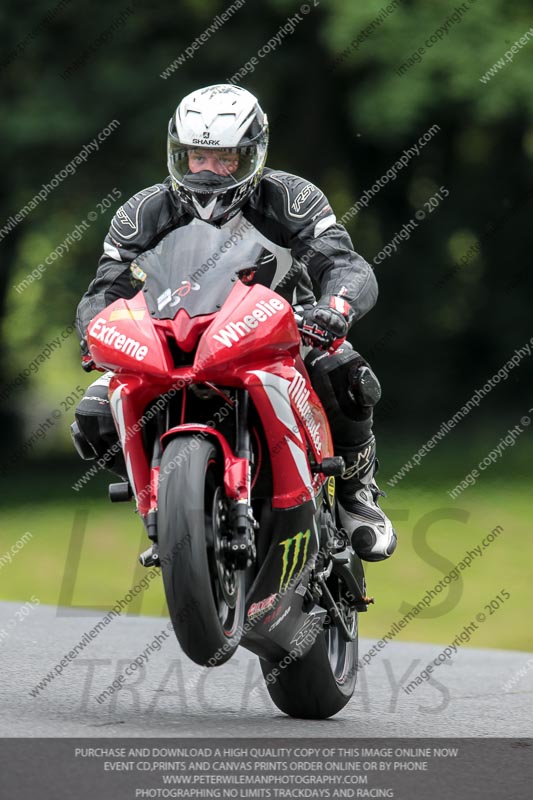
[195, 268]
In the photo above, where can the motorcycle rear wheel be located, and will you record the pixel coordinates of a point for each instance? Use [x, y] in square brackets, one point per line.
[321, 683]
[205, 598]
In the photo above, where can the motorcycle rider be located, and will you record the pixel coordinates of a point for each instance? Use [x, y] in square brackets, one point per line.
[217, 145]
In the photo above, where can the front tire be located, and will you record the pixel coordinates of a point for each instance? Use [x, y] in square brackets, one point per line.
[205, 598]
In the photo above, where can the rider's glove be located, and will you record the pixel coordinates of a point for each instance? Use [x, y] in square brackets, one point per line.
[87, 362]
[326, 324]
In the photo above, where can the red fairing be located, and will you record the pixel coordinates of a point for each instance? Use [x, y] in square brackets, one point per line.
[186, 330]
[294, 424]
[128, 397]
[253, 326]
[235, 469]
[123, 338]
[251, 343]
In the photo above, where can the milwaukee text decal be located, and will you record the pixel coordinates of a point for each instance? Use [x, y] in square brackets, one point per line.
[299, 394]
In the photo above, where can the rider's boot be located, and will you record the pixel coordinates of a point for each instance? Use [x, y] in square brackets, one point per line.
[371, 532]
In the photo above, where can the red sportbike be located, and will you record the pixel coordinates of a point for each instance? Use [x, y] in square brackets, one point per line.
[230, 460]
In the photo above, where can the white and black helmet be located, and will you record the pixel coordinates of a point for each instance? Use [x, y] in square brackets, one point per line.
[222, 131]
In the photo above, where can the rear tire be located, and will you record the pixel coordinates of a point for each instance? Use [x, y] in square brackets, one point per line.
[320, 684]
[206, 601]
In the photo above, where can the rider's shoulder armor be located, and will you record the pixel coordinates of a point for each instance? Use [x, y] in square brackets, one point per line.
[144, 217]
[294, 202]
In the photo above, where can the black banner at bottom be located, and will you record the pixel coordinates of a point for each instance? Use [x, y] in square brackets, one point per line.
[406, 769]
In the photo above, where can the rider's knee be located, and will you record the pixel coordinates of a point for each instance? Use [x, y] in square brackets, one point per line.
[344, 382]
[364, 386]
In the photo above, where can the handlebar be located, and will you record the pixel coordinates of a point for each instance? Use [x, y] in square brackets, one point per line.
[312, 335]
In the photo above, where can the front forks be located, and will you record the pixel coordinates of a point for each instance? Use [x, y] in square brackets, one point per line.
[237, 545]
[240, 544]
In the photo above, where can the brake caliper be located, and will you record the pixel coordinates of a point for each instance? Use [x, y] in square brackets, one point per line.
[238, 546]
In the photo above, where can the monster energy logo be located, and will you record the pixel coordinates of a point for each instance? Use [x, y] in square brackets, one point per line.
[291, 558]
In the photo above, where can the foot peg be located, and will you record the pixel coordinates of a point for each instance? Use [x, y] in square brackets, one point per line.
[150, 557]
[120, 492]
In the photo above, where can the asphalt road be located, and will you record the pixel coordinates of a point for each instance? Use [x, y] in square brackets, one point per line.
[170, 696]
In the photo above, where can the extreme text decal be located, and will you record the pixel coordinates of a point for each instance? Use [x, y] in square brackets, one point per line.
[108, 334]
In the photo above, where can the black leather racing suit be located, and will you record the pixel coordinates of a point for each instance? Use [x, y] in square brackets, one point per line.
[292, 219]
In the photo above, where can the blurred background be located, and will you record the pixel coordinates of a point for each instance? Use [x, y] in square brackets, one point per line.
[349, 88]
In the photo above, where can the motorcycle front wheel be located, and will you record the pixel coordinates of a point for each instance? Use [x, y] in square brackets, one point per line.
[205, 596]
